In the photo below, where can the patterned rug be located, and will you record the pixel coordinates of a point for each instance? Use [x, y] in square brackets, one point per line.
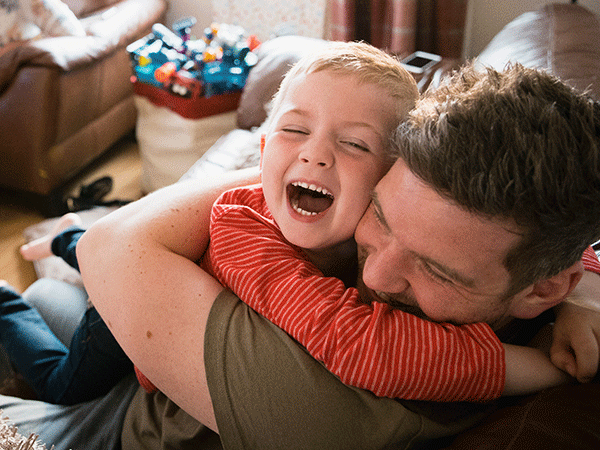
[10, 439]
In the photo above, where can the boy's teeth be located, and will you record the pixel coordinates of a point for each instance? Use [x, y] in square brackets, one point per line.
[382, 295]
[311, 187]
[300, 210]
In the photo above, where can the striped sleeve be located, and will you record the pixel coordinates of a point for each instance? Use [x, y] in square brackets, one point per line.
[374, 347]
[590, 261]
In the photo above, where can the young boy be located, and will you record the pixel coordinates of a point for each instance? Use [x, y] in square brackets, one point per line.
[324, 151]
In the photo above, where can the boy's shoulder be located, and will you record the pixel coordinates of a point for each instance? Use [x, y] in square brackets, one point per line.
[250, 196]
[242, 200]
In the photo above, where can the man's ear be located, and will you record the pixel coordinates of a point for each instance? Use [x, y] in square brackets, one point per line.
[546, 293]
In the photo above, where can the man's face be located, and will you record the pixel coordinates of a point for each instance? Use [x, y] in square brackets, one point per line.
[420, 250]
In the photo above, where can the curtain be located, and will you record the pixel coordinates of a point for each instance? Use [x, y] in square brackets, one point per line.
[400, 26]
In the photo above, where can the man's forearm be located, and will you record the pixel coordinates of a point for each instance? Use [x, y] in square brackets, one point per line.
[177, 216]
[138, 265]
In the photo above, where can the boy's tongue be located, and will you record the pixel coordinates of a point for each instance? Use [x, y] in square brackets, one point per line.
[309, 200]
[313, 202]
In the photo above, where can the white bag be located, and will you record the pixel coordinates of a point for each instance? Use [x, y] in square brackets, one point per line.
[170, 144]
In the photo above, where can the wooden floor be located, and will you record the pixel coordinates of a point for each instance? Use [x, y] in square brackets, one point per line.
[122, 163]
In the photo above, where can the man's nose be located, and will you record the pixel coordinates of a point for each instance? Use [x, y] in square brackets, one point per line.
[317, 152]
[383, 268]
[379, 275]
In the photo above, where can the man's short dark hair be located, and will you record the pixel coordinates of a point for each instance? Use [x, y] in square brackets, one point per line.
[519, 145]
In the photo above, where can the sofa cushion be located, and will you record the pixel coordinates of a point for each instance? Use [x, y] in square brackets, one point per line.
[562, 38]
[37, 17]
[547, 421]
[275, 57]
[82, 8]
[106, 32]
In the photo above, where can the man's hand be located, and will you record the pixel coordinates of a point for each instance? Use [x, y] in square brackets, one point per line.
[576, 335]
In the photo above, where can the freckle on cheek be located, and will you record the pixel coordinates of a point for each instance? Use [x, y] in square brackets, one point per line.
[148, 334]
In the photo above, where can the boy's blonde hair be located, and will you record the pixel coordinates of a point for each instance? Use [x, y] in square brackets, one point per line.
[369, 64]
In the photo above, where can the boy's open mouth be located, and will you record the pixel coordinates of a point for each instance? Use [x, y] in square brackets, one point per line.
[308, 199]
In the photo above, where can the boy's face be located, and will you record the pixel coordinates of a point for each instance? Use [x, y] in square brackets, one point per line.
[324, 153]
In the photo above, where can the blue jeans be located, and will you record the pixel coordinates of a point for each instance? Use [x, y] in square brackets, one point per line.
[93, 425]
[88, 369]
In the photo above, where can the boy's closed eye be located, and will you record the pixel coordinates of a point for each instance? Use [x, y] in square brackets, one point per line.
[357, 144]
[297, 130]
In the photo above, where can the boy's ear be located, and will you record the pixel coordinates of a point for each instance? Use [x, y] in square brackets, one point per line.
[263, 139]
[547, 293]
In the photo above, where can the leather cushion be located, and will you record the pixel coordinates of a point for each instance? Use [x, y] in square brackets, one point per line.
[563, 38]
[82, 8]
[555, 419]
[275, 57]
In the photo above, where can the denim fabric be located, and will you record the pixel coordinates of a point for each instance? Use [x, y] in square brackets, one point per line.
[94, 425]
[89, 368]
[92, 365]
[65, 243]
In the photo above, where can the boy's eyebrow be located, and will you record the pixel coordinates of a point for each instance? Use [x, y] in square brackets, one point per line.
[301, 112]
[450, 273]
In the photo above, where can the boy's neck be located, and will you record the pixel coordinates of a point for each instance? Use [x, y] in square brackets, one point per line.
[338, 261]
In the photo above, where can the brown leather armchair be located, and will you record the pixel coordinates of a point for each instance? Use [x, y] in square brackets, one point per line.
[66, 100]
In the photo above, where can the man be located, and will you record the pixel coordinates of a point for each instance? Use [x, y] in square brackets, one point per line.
[247, 380]
[459, 224]
[518, 149]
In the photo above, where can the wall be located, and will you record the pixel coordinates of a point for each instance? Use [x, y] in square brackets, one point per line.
[200, 9]
[487, 17]
[268, 18]
[260, 17]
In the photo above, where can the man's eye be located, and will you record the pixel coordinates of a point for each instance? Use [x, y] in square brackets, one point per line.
[376, 214]
[434, 274]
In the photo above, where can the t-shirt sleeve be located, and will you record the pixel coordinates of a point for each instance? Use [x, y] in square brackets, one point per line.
[269, 393]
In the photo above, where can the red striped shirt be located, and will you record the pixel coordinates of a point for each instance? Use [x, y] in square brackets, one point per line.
[590, 261]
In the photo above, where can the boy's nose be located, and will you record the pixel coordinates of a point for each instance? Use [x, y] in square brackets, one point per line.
[319, 155]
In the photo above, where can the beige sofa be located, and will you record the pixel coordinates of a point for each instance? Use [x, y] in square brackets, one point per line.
[65, 100]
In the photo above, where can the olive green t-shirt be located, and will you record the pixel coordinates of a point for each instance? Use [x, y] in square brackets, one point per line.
[269, 393]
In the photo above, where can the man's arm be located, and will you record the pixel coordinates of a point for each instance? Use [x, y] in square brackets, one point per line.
[138, 265]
